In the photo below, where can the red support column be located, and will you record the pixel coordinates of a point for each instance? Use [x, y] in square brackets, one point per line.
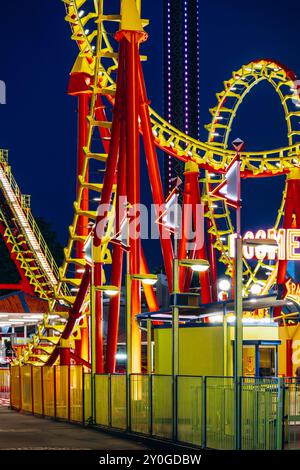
[186, 224]
[206, 294]
[131, 40]
[117, 261]
[82, 346]
[289, 356]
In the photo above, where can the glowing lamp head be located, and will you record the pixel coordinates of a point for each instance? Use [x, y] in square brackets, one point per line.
[224, 285]
[111, 292]
[255, 289]
[149, 282]
[200, 267]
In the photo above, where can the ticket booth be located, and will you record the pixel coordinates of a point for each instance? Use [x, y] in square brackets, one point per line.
[260, 358]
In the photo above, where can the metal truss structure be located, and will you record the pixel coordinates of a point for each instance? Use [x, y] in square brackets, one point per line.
[114, 119]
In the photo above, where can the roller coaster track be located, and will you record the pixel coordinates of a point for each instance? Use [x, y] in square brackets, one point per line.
[93, 30]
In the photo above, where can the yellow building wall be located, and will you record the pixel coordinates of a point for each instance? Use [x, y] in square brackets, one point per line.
[290, 332]
[200, 351]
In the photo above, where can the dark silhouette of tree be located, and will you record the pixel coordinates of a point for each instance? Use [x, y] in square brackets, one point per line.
[50, 237]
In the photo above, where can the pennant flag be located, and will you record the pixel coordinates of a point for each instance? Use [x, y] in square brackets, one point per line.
[230, 188]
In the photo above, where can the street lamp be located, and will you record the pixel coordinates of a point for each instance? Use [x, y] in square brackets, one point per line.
[238, 304]
[197, 265]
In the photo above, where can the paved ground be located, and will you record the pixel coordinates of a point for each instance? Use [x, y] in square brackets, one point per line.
[18, 431]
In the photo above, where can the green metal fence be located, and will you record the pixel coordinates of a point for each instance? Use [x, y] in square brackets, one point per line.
[219, 413]
[262, 401]
[161, 405]
[190, 410]
[139, 404]
[118, 401]
[203, 415]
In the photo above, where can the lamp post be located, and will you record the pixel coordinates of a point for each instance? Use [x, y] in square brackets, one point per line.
[197, 265]
[267, 244]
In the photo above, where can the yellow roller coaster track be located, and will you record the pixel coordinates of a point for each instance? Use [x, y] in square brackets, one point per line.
[93, 30]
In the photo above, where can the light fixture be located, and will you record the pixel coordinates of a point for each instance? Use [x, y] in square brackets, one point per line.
[255, 289]
[147, 279]
[215, 319]
[121, 356]
[110, 291]
[224, 285]
[149, 282]
[197, 265]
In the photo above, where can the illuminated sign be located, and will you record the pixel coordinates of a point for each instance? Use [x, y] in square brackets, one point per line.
[292, 291]
[288, 241]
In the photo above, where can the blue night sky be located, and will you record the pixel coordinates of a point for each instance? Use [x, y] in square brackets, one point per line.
[38, 123]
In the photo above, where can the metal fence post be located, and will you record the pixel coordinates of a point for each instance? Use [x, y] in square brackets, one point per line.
[238, 413]
[150, 378]
[109, 401]
[20, 388]
[204, 412]
[54, 384]
[32, 396]
[128, 401]
[280, 414]
[42, 390]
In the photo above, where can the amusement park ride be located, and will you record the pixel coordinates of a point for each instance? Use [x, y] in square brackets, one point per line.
[108, 82]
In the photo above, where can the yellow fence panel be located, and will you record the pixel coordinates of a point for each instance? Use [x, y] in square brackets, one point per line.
[26, 388]
[140, 403]
[76, 393]
[102, 399]
[118, 401]
[4, 381]
[37, 390]
[15, 391]
[87, 397]
[190, 410]
[220, 413]
[162, 413]
[62, 391]
[48, 391]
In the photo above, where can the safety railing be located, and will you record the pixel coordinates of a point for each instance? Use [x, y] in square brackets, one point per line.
[56, 392]
[204, 415]
[205, 409]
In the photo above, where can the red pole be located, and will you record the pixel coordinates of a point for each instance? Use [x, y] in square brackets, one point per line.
[289, 356]
[213, 264]
[201, 253]
[82, 346]
[131, 40]
[186, 224]
[117, 262]
[109, 179]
